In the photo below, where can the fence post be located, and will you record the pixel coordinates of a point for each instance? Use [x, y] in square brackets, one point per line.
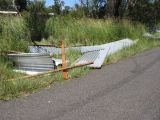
[64, 63]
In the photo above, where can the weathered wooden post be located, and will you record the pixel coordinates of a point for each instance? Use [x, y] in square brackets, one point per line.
[64, 63]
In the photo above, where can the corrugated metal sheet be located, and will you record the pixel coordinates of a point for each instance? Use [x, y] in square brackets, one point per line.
[32, 62]
[44, 49]
[104, 51]
[87, 57]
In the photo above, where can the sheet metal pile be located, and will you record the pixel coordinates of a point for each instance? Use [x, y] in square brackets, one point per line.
[95, 54]
[39, 59]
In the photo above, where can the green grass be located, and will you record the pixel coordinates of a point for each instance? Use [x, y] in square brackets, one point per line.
[13, 89]
[142, 45]
[156, 35]
[13, 34]
[90, 31]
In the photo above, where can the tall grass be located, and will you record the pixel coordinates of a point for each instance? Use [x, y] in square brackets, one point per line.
[13, 34]
[91, 31]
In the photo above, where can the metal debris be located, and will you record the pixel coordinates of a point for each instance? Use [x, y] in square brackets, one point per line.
[96, 54]
[28, 62]
[87, 57]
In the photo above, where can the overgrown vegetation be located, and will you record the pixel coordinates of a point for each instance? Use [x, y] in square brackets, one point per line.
[13, 34]
[91, 31]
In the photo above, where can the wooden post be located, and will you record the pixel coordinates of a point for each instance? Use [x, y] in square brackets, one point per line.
[64, 63]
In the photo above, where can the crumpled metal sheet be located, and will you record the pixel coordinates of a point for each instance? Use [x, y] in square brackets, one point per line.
[32, 62]
[98, 56]
[87, 57]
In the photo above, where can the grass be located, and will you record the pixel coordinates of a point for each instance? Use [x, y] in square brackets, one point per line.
[13, 34]
[20, 87]
[156, 35]
[91, 31]
[13, 89]
[142, 45]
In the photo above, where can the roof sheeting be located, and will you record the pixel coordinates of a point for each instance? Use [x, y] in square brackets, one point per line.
[98, 56]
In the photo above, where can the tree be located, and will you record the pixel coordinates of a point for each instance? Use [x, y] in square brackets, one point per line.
[5, 4]
[117, 8]
[114, 6]
[157, 9]
[36, 19]
[145, 11]
[21, 5]
[57, 7]
[66, 10]
[18, 5]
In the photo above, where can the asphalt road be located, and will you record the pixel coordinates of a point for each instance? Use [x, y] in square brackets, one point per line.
[127, 90]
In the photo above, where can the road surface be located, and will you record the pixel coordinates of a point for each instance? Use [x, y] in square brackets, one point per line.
[127, 90]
